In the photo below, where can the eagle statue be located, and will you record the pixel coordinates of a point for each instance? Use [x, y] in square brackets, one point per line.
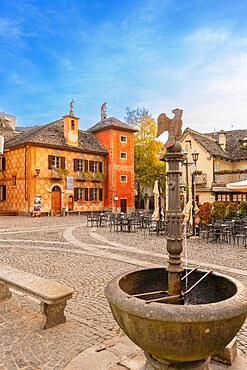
[172, 125]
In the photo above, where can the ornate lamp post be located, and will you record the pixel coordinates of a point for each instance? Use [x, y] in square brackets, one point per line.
[185, 163]
[195, 156]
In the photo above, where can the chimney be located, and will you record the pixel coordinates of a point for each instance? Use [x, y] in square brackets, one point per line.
[222, 139]
[103, 112]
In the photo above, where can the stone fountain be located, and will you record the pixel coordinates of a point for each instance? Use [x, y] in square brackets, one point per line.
[180, 318]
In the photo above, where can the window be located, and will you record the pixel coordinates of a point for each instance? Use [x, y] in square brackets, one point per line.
[80, 165]
[123, 155]
[72, 126]
[2, 192]
[14, 180]
[2, 164]
[123, 139]
[123, 178]
[95, 166]
[56, 162]
[96, 194]
[81, 194]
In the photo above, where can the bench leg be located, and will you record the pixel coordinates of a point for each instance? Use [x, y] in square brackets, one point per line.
[4, 292]
[52, 314]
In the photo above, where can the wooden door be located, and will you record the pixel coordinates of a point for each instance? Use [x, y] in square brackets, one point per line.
[123, 205]
[56, 201]
[70, 203]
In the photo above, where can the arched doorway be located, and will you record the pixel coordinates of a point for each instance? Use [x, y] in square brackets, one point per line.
[70, 203]
[56, 199]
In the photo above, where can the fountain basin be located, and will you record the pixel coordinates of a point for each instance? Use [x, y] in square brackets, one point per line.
[212, 315]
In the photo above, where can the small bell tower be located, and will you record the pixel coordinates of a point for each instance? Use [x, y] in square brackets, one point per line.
[71, 127]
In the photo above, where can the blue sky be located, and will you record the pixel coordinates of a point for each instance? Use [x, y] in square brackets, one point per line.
[157, 54]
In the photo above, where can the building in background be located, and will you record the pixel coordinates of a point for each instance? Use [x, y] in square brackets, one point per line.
[222, 159]
[56, 168]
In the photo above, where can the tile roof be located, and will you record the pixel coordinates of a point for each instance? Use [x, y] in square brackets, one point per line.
[210, 142]
[111, 122]
[8, 134]
[52, 135]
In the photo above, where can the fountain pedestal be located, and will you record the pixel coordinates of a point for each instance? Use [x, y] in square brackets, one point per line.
[177, 331]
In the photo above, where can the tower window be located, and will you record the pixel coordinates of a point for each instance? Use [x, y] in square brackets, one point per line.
[123, 139]
[123, 155]
[123, 178]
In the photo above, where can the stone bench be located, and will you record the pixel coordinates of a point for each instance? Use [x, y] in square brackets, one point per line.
[53, 295]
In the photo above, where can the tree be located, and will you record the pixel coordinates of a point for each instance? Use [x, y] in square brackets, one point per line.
[148, 151]
[134, 116]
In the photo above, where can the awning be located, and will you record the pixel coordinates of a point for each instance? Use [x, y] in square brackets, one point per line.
[240, 186]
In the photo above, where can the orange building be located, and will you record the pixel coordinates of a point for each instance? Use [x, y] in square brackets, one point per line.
[56, 168]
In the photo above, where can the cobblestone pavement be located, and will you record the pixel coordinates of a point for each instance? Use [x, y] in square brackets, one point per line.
[85, 258]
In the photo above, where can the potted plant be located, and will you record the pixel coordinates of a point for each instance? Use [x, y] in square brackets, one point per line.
[62, 172]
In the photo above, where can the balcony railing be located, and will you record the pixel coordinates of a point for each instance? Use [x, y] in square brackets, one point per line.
[97, 176]
[225, 178]
[201, 179]
[90, 176]
[55, 174]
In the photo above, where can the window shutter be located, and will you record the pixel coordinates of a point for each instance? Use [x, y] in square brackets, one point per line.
[86, 165]
[75, 164]
[76, 194]
[50, 161]
[86, 194]
[100, 194]
[3, 163]
[4, 192]
[100, 166]
[91, 166]
[91, 194]
[62, 162]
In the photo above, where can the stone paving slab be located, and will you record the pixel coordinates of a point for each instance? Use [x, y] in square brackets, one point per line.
[120, 353]
[85, 263]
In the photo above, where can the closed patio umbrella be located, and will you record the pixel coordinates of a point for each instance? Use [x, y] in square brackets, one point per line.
[156, 214]
[238, 186]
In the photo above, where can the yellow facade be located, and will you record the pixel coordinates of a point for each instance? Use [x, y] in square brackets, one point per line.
[21, 164]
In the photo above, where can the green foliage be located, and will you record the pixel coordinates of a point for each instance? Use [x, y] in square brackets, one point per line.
[62, 171]
[231, 210]
[147, 151]
[218, 210]
[205, 210]
[243, 208]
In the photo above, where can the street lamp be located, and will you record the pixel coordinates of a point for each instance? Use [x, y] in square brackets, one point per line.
[185, 163]
[195, 156]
